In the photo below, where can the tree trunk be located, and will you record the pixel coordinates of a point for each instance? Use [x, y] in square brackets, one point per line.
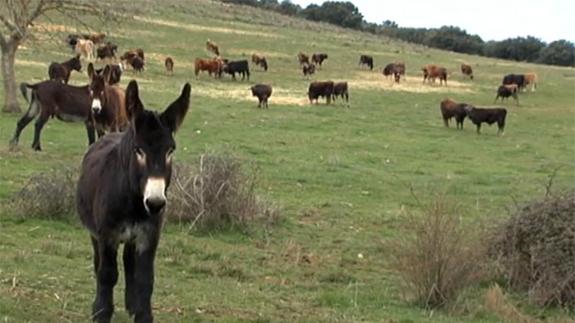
[10, 87]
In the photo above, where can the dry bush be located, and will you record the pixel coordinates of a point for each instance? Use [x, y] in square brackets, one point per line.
[218, 194]
[50, 195]
[536, 249]
[498, 304]
[436, 258]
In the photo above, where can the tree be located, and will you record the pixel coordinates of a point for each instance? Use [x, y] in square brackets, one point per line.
[560, 52]
[340, 13]
[16, 18]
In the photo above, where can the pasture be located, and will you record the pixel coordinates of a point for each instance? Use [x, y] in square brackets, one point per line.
[344, 176]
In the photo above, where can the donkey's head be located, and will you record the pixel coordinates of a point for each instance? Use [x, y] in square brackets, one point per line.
[152, 146]
[97, 87]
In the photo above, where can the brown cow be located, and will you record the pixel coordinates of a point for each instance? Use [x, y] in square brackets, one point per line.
[212, 66]
[85, 48]
[450, 109]
[396, 69]
[263, 92]
[531, 78]
[318, 58]
[260, 60]
[212, 47]
[302, 58]
[169, 64]
[320, 89]
[96, 38]
[431, 72]
[308, 69]
[467, 70]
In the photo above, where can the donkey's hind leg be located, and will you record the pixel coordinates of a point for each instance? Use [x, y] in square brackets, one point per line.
[32, 112]
[40, 122]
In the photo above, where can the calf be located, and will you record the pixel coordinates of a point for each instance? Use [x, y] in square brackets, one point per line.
[107, 51]
[308, 69]
[263, 92]
[507, 90]
[467, 70]
[260, 60]
[62, 71]
[318, 58]
[169, 64]
[488, 115]
[341, 89]
[396, 69]
[240, 67]
[366, 60]
[320, 89]
[302, 58]
[451, 109]
[431, 72]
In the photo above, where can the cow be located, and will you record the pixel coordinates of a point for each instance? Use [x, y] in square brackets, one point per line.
[85, 48]
[62, 71]
[96, 38]
[318, 58]
[488, 115]
[517, 79]
[302, 58]
[262, 92]
[320, 89]
[212, 66]
[451, 109]
[396, 69]
[212, 47]
[169, 64]
[531, 79]
[240, 67]
[507, 90]
[260, 60]
[107, 51]
[136, 62]
[308, 69]
[467, 70]
[431, 72]
[366, 60]
[341, 89]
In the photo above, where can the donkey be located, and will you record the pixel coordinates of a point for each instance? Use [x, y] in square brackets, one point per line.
[54, 99]
[108, 102]
[121, 195]
[61, 71]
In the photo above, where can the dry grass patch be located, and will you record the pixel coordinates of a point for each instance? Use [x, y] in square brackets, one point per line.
[497, 303]
[24, 62]
[412, 83]
[242, 92]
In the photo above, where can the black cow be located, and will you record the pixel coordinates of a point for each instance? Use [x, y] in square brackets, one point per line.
[507, 90]
[518, 79]
[308, 69]
[318, 58]
[107, 51]
[240, 67]
[366, 60]
[263, 92]
[487, 115]
[341, 89]
[320, 89]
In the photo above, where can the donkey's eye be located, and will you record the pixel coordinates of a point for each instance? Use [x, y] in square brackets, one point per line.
[170, 152]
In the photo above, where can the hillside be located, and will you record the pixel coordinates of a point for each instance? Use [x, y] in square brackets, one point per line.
[343, 176]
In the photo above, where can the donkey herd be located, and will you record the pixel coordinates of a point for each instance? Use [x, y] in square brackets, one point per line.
[121, 192]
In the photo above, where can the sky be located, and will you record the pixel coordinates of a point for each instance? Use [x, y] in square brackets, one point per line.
[547, 20]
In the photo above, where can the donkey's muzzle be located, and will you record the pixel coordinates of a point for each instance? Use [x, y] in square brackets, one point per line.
[155, 205]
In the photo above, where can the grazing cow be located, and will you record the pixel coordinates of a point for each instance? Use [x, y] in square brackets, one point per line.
[531, 79]
[121, 197]
[107, 51]
[318, 58]
[85, 48]
[396, 69]
[431, 72]
[136, 62]
[467, 70]
[260, 60]
[212, 47]
[320, 89]
[517, 79]
[507, 90]
[366, 60]
[128, 55]
[308, 69]
[302, 58]
[114, 75]
[61, 71]
[263, 92]
[54, 99]
[108, 102]
[488, 115]
[451, 109]
[341, 89]
[212, 66]
[240, 67]
[169, 64]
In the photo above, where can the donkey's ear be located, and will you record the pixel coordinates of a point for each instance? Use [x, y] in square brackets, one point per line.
[133, 104]
[173, 116]
[91, 71]
[107, 73]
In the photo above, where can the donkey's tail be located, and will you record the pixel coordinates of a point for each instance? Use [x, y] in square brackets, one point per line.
[24, 90]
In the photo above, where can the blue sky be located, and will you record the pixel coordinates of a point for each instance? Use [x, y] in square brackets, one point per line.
[548, 20]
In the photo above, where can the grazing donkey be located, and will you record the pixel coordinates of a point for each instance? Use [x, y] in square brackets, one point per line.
[121, 195]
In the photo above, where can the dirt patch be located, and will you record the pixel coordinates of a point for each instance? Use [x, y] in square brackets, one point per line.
[413, 84]
[46, 26]
[249, 52]
[242, 92]
[23, 62]
[192, 27]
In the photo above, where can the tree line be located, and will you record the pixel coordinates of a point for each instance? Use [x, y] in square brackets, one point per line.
[347, 15]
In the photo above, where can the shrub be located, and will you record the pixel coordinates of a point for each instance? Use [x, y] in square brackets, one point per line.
[536, 249]
[50, 195]
[436, 258]
[217, 194]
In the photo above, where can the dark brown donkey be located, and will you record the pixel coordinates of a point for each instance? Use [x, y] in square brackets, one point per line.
[121, 196]
[61, 71]
[108, 102]
[54, 99]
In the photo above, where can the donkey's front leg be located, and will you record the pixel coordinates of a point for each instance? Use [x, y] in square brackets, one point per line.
[144, 278]
[107, 277]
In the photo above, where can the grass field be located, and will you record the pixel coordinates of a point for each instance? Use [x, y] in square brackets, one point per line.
[343, 176]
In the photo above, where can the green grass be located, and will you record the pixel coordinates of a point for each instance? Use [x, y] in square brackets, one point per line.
[343, 175]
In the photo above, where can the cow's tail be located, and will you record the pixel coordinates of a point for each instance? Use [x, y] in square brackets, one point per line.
[24, 89]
